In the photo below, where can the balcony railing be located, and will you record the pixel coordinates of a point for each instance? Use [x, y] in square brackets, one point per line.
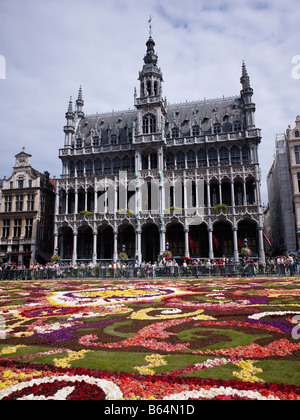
[143, 215]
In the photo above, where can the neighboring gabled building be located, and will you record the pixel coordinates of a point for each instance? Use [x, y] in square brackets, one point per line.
[27, 214]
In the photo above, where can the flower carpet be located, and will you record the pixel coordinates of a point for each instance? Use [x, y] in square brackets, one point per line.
[202, 339]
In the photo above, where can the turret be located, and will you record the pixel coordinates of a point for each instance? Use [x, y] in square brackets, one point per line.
[80, 104]
[69, 129]
[246, 95]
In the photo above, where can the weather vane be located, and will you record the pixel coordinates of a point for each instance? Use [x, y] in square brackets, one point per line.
[150, 26]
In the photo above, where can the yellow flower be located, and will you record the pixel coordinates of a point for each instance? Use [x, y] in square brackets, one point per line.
[65, 362]
[248, 371]
[155, 360]
[143, 315]
[10, 349]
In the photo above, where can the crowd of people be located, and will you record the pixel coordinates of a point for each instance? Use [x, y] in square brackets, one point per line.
[280, 266]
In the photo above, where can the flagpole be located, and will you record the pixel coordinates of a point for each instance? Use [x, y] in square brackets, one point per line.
[150, 26]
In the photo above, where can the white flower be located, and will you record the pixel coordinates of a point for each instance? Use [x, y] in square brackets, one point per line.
[214, 392]
[111, 390]
[278, 313]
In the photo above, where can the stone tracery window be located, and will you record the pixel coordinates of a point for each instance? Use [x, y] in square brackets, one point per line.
[217, 128]
[149, 124]
[237, 126]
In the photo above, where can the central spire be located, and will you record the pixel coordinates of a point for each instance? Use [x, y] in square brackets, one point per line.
[150, 57]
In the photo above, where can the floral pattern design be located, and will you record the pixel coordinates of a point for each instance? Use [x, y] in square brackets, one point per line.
[180, 336]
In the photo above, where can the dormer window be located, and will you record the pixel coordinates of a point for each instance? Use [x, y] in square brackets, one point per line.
[196, 130]
[96, 141]
[237, 126]
[113, 139]
[217, 128]
[175, 132]
[79, 143]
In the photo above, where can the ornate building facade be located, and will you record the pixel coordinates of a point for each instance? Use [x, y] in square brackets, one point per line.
[183, 177]
[26, 214]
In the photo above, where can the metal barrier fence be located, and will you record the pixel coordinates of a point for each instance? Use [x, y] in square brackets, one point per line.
[228, 270]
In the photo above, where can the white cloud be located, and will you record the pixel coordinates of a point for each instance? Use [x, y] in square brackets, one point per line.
[53, 47]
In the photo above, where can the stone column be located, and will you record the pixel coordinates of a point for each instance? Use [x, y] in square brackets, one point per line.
[235, 245]
[186, 236]
[74, 257]
[210, 243]
[261, 245]
[138, 245]
[115, 257]
[95, 235]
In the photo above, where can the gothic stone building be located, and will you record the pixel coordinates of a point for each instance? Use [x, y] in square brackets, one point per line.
[183, 177]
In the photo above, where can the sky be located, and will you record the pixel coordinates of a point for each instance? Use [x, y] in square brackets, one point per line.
[49, 48]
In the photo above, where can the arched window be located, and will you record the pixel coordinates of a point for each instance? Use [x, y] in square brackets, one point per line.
[126, 163]
[79, 168]
[72, 169]
[145, 160]
[202, 161]
[180, 160]
[235, 156]
[89, 168]
[117, 165]
[224, 156]
[149, 124]
[191, 159]
[153, 160]
[98, 167]
[297, 134]
[170, 161]
[107, 166]
[213, 157]
[245, 155]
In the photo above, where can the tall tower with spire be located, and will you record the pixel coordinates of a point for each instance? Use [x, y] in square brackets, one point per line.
[150, 104]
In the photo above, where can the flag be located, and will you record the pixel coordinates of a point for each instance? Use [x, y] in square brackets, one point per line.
[240, 243]
[267, 239]
[193, 244]
[216, 242]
